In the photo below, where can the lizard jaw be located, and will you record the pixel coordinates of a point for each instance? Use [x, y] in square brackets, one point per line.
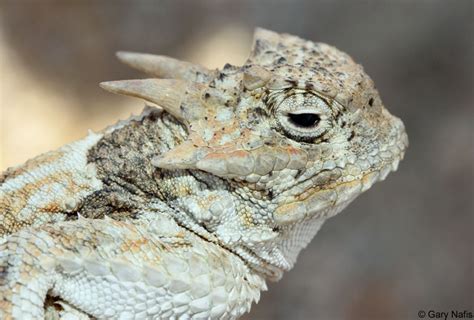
[319, 199]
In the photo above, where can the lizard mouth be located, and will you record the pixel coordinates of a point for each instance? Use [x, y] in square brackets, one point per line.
[328, 192]
[301, 219]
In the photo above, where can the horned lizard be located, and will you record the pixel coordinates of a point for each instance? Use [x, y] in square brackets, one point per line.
[186, 210]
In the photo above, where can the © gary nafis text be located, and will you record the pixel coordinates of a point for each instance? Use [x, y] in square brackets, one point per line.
[453, 314]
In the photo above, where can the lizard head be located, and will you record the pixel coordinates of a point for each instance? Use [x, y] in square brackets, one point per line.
[296, 133]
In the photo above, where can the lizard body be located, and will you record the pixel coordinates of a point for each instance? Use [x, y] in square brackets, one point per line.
[186, 210]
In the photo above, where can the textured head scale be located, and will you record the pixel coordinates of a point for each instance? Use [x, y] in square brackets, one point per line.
[299, 125]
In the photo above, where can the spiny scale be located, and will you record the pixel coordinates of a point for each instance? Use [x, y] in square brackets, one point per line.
[166, 93]
[163, 66]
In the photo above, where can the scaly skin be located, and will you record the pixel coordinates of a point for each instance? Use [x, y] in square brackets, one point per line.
[186, 210]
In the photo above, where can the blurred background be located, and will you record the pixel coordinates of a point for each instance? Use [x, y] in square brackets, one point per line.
[405, 246]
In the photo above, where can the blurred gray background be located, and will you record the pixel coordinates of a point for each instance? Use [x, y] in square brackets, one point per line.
[405, 246]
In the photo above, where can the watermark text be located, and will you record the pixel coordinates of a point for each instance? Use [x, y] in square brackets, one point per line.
[445, 315]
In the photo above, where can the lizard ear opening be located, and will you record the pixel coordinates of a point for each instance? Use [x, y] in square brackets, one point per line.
[164, 67]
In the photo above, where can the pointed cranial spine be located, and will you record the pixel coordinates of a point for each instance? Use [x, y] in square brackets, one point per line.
[164, 67]
[166, 93]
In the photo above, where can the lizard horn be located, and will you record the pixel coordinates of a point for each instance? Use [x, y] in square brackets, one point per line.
[166, 93]
[163, 66]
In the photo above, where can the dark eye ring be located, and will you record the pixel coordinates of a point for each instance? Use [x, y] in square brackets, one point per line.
[304, 120]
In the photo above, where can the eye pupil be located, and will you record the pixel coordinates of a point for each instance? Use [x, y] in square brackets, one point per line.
[304, 120]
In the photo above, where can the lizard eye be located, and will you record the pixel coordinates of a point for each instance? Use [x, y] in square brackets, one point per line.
[304, 120]
[303, 117]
